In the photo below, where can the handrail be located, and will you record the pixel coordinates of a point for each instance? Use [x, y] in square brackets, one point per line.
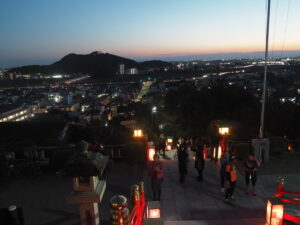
[280, 191]
[121, 215]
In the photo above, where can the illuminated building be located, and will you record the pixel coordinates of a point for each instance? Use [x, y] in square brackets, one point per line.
[133, 71]
[122, 69]
[14, 113]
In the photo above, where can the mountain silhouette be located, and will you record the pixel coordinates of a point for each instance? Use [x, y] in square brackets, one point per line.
[96, 64]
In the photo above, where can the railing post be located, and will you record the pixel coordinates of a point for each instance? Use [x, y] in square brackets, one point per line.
[142, 195]
[119, 212]
[280, 187]
[136, 202]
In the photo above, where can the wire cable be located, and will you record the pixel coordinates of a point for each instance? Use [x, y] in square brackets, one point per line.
[274, 30]
[285, 28]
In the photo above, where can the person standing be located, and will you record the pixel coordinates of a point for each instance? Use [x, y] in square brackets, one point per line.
[223, 163]
[231, 178]
[156, 174]
[182, 159]
[162, 147]
[250, 172]
[199, 157]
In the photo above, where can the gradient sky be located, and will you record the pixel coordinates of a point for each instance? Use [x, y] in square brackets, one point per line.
[43, 31]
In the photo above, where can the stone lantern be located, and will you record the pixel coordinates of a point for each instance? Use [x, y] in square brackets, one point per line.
[86, 169]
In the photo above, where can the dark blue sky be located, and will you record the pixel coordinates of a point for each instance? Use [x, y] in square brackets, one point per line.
[43, 31]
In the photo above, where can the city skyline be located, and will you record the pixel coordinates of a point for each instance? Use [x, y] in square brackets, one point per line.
[35, 32]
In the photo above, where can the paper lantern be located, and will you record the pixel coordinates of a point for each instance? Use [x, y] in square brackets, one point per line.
[275, 210]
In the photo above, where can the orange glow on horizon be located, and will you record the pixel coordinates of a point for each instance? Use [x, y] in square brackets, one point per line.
[161, 54]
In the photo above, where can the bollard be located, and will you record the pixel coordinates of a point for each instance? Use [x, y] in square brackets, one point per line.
[119, 212]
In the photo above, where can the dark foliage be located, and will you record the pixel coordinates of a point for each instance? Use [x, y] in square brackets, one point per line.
[191, 112]
[29, 133]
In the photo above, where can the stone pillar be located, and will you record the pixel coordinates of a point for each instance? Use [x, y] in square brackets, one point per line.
[89, 214]
[119, 212]
[261, 149]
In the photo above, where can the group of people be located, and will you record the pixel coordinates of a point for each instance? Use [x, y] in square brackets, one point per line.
[228, 168]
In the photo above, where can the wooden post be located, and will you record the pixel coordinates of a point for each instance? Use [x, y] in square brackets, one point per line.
[119, 212]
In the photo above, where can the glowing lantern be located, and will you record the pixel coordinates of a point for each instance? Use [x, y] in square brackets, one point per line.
[219, 152]
[169, 143]
[290, 147]
[137, 133]
[275, 210]
[154, 213]
[224, 131]
[151, 153]
[153, 209]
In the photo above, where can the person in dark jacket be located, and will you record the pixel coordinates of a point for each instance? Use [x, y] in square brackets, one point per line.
[250, 172]
[199, 157]
[223, 163]
[182, 159]
[162, 147]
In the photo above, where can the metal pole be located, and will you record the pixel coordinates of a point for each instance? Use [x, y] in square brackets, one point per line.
[262, 118]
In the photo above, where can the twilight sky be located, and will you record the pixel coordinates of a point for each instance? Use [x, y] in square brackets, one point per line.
[43, 31]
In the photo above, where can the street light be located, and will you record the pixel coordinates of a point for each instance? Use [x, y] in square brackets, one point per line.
[223, 131]
[154, 109]
[138, 133]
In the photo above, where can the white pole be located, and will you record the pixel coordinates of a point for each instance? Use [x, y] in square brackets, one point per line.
[262, 118]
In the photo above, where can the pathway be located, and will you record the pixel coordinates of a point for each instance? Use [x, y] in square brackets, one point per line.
[197, 202]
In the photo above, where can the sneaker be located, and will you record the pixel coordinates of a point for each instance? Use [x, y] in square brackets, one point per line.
[226, 200]
[232, 198]
[222, 190]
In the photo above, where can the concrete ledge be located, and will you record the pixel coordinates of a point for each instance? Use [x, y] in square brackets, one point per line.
[259, 221]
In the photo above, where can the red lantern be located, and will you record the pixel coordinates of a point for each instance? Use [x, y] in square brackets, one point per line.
[154, 213]
[275, 210]
[151, 153]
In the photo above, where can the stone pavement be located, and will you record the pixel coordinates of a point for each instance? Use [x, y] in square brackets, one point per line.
[43, 199]
[197, 202]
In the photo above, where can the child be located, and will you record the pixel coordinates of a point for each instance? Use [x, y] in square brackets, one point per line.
[250, 167]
